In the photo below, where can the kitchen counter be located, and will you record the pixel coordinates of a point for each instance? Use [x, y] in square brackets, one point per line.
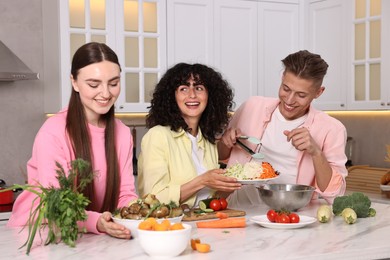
[366, 239]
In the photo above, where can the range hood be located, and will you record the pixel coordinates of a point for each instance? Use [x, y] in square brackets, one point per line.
[12, 68]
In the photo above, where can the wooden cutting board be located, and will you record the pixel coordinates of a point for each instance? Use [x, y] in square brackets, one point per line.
[211, 215]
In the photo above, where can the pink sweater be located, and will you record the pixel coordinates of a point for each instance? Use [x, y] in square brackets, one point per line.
[52, 144]
[330, 134]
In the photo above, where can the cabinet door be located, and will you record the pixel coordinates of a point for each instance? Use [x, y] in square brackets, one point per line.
[190, 31]
[327, 36]
[370, 57]
[278, 36]
[236, 45]
[140, 35]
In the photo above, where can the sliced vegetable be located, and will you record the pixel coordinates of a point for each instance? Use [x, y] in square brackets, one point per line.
[202, 248]
[221, 215]
[223, 223]
[349, 215]
[324, 213]
[205, 204]
[194, 242]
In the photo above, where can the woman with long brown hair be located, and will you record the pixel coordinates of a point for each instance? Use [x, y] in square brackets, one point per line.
[87, 129]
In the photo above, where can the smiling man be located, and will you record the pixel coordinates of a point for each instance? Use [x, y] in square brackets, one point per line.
[305, 145]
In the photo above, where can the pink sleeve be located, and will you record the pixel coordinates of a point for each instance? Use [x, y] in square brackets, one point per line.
[125, 156]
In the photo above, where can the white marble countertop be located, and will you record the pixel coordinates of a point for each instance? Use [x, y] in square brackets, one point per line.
[368, 238]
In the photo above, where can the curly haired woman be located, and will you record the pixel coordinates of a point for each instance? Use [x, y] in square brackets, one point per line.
[179, 158]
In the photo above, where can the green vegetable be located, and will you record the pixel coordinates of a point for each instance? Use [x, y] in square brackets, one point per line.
[371, 212]
[205, 204]
[324, 213]
[357, 201]
[61, 207]
[349, 215]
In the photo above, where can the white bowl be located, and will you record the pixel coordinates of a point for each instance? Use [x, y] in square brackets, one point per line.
[165, 244]
[385, 187]
[132, 224]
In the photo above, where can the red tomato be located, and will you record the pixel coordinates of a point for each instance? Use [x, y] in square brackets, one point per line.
[271, 215]
[224, 203]
[294, 218]
[215, 205]
[282, 218]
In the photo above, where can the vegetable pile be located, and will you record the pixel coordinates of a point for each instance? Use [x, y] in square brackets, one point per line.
[349, 207]
[197, 245]
[212, 204]
[357, 201]
[282, 216]
[149, 206]
[152, 225]
[59, 208]
[251, 171]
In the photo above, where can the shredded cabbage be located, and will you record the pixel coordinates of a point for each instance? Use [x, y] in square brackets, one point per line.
[248, 171]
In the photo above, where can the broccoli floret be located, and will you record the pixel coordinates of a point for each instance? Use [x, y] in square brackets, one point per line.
[357, 201]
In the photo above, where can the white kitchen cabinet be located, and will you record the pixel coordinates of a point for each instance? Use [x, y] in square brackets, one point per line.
[135, 30]
[369, 67]
[236, 46]
[251, 39]
[354, 42]
[244, 40]
[327, 26]
[190, 31]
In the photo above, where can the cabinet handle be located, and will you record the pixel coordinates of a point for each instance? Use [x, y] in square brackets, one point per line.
[121, 107]
[388, 103]
[382, 103]
[342, 105]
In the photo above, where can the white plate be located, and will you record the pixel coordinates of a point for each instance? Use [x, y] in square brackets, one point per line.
[263, 221]
[256, 181]
[385, 187]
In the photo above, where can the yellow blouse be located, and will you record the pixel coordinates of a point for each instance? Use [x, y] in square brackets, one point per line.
[165, 163]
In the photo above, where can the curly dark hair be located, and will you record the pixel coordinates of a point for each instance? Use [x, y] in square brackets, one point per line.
[165, 111]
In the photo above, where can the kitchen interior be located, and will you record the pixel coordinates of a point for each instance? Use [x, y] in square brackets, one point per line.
[23, 102]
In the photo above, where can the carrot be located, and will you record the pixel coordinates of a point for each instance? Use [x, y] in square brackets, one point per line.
[223, 223]
[221, 215]
[268, 171]
[194, 242]
[202, 248]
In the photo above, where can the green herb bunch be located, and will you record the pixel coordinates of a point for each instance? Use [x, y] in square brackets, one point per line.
[59, 209]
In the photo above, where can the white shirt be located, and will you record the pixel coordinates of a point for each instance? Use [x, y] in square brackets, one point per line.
[278, 152]
[197, 157]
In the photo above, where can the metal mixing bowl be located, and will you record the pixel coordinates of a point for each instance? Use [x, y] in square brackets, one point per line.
[286, 196]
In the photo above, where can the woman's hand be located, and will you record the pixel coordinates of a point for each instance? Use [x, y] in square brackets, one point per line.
[215, 179]
[106, 225]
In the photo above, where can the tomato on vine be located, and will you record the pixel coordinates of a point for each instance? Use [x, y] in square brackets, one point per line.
[271, 215]
[294, 218]
[282, 218]
[224, 203]
[215, 205]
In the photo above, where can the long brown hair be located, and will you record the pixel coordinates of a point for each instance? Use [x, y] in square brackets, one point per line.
[77, 127]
